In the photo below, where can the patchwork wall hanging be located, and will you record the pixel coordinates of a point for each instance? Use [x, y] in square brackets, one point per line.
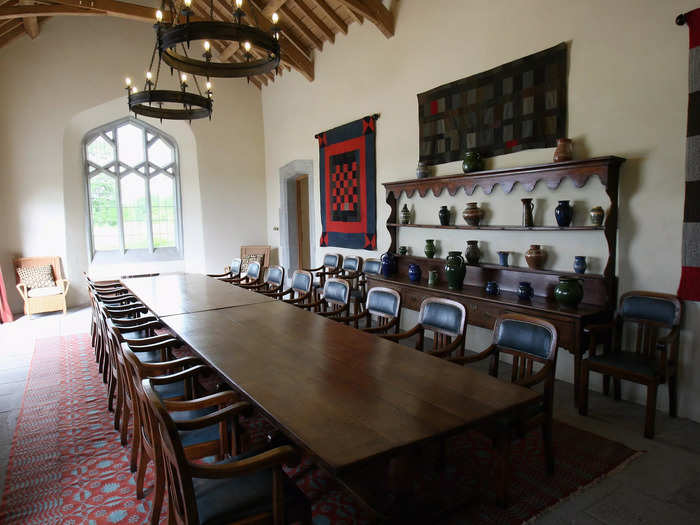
[348, 173]
[689, 288]
[519, 105]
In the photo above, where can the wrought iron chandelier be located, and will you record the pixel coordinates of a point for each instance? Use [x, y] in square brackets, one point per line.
[261, 49]
[169, 104]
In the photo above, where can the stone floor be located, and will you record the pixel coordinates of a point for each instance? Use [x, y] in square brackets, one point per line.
[661, 486]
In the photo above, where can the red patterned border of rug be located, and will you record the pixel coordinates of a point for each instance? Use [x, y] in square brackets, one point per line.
[67, 466]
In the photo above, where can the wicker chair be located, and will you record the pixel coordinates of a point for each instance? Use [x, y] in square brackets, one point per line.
[47, 299]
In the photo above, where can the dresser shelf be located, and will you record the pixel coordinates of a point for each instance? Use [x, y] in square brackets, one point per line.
[492, 227]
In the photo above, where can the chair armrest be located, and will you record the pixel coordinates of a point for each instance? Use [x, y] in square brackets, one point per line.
[123, 324]
[348, 318]
[252, 285]
[65, 284]
[117, 299]
[397, 337]
[144, 341]
[537, 378]
[298, 299]
[269, 458]
[179, 376]
[138, 327]
[226, 397]
[220, 415]
[22, 289]
[383, 328]
[306, 306]
[159, 345]
[442, 352]
[334, 314]
[313, 269]
[671, 337]
[462, 360]
[277, 294]
[226, 274]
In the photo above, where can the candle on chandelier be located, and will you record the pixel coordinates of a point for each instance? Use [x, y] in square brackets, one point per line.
[275, 18]
[239, 3]
[188, 3]
[148, 75]
[127, 81]
[159, 15]
[134, 90]
[246, 45]
[207, 46]
[183, 77]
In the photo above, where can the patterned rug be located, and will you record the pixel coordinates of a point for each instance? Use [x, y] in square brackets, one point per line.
[67, 466]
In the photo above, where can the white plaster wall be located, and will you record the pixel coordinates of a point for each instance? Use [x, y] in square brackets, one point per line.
[58, 86]
[627, 97]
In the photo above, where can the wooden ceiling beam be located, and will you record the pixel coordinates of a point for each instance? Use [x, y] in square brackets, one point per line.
[302, 28]
[31, 23]
[119, 9]
[374, 11]
[22, 11]
[333, 15]
[315, 20]
[13, 32]
[357, 17]
[272, 6]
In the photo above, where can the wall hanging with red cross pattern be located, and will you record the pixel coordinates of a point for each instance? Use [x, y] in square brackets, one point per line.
[348, 172]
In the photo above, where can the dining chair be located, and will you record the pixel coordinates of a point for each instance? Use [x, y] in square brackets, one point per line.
[244, 489]
[335, 300]
[252, 275]
[175, 384]
[331, 267]
[447, 320]
[532, 343]
[299, 292]
[359, 294]
[382, 312]
[274, 281]
[654, 360]
[351, 270]
[234, 270]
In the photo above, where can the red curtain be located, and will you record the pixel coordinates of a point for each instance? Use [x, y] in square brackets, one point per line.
[5, 312]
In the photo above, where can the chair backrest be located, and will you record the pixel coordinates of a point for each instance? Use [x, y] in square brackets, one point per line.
[235, 267]
[336, 291]
[384, 302]
[443, 316]
[183, 506]
[28, 262]
[372, 266]
[253, 272]
[301, 281]
[333, 260]
[652, 313]
[275, 275]
[352, 263]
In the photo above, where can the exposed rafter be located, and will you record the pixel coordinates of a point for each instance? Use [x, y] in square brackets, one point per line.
[374, 11]
[272, 6]
[311, 15]
[301, 27]
[22, 11]
[331, 13]
[10, 32]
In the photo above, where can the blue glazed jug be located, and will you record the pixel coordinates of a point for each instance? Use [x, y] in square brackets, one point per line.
[388, 264]
[414, 273]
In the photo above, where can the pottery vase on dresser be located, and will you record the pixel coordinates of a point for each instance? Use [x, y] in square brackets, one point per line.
[535, 257]
[564, 151]
[414, 273]
[503, 258]
[564, 213]
[429, 248]
[455, 270]
[472, 162]
[528, 218]
[388, 264]
[525, 291]
[403, 250]
[444, 216]
[405, 215]
[492, 288]
[580, 264]
[597, 216]
[569, 292]
[472, 214]
[422, 171]
[473, 253]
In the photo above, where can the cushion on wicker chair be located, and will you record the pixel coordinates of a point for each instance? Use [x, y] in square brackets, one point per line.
[44, 292]
[37, 276]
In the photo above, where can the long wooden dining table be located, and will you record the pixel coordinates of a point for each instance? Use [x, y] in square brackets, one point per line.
[344, 396]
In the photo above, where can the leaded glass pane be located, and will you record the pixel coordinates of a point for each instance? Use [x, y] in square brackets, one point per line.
[100, 151]
[134, 212]
[131, 145]
[160, 154]
[104, 212]
[163, 211]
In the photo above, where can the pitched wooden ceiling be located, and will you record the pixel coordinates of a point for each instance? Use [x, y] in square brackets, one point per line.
[307, 25]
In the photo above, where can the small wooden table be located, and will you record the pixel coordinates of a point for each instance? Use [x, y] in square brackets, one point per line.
[186, 293]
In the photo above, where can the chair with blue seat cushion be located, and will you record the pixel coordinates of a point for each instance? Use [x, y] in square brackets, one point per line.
[382, 312]
[218, 440]
[234, 270]
[447, 320]
[273, 283]
[299, 292]
[351, 271]
[248, 488]
[532, 343]
[359, 294]
[335, 300]
[252, 275]
[653, 361]
[331, 267]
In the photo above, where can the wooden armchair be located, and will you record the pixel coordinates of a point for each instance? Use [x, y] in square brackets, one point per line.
[359, 294]
[654, 360]
[233, 271]
[383, 307]
[446, 319]
[51, 295]
[243, 489]
[300, 291]
[331, 267]
[335, 300]
[274, 281]
[251, 276]
[529, 340]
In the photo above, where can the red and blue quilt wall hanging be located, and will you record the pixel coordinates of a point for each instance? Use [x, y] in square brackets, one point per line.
[348, 173]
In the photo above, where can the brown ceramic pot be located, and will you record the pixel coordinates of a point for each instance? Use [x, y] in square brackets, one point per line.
[564, 151]
[473, 214]
[535, 257]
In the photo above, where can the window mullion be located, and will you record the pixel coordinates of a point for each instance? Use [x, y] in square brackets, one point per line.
[122, 242]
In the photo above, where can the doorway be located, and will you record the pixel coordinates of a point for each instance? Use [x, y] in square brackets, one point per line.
[303, 222]
[297, 224]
